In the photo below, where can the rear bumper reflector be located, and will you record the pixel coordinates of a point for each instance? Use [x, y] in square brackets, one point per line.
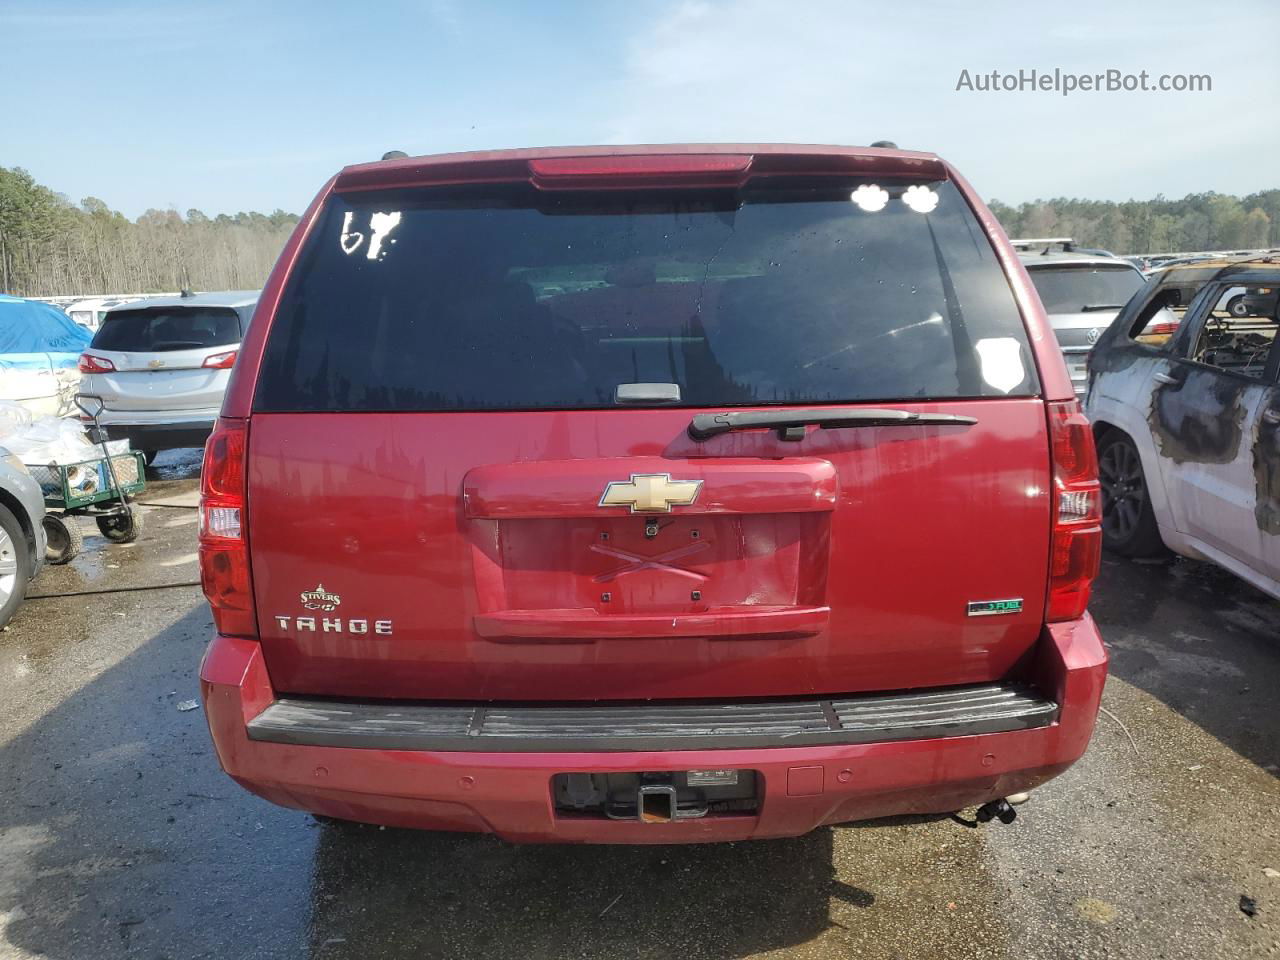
[952, 712]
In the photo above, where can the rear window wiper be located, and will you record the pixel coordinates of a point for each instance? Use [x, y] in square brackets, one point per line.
[1090, 307]
[790, 424]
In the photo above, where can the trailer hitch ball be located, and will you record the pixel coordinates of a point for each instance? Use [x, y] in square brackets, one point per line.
[997, 810]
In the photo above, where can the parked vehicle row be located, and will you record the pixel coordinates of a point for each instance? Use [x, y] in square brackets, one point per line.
[660, 494]
[90, 313]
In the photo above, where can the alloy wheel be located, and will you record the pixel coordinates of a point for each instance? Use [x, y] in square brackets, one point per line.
[8, 566]
[1124, 492]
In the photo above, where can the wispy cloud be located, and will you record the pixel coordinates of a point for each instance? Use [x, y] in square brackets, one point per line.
[826, 71]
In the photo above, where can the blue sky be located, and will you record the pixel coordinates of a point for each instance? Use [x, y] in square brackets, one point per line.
[239, 106]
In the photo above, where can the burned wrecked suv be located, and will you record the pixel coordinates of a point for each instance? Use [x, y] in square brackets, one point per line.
[649, 494]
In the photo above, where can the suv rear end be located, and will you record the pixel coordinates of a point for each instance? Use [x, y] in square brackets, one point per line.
[161, 366]
[649, 495]
[1082, 292]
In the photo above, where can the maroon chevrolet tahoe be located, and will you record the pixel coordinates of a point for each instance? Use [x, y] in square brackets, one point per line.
[649, 494]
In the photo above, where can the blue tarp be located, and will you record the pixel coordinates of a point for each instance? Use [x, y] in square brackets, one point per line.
[28, 326]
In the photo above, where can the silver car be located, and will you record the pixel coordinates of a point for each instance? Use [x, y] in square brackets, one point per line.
[161, 366]
[22, 538]
[1082, 291]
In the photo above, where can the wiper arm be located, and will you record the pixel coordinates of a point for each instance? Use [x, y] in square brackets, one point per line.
[1090, 307]
[790, 424]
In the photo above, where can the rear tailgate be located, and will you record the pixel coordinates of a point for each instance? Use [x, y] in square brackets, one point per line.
[442, 474]
[165, 357]
[145, 382]
[845, 566]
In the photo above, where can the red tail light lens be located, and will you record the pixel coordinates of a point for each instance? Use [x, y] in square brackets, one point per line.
[1077, 512]
[91, 364]
[639, 171]
[220, 361]
[224, 552]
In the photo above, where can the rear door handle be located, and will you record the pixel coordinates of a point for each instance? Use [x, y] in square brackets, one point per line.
[1164, 378]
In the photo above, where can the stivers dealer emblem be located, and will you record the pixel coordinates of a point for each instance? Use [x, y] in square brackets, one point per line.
[993, 608]
[320, 599]
[650, 493]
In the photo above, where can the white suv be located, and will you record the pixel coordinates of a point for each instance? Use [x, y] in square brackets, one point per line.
[1188, 425]
[161, 366]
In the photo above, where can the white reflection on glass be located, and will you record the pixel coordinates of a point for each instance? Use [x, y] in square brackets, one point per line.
[381, 224]
[870, 198]
[920, 199]
[349, 240]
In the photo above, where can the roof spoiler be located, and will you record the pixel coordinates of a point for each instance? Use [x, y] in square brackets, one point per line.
[1067, 244]
[567, 168]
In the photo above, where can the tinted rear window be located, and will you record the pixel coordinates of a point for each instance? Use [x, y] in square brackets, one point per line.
[513, 298]
[161, 329]
[1074, 289]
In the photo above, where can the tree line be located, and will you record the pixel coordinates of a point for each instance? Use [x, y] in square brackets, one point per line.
[50, 246]
[1199, 221]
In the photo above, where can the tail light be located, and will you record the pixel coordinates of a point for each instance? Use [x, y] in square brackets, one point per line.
[1077, 512]
[220, 361]
[573, 173]
[91, 364]
[224, 552]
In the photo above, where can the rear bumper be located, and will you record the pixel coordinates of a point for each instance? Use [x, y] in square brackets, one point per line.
[509, 793]
[159, 430]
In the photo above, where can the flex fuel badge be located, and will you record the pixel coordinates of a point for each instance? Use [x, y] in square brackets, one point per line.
[992, 608]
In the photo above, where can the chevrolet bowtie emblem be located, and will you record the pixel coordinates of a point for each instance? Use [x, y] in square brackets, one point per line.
[650, 493]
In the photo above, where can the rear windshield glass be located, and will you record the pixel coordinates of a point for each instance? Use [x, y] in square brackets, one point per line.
[1084, 288]
[521, 299]
[161, 329]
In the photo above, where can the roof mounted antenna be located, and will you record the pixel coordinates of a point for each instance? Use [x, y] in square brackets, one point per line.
[395, 155]
[885, 144]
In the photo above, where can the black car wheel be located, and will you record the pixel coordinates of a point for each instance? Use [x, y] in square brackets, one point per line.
[15, 565]
[1128, 522]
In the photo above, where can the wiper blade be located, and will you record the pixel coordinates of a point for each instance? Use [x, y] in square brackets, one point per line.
[790, 424]
[1090, 307]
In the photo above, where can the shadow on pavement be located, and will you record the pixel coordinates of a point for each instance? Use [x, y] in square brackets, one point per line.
[1201, 640]
[467, 896]
[120, 837]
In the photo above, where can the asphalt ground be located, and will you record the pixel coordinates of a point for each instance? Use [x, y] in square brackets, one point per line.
[119, 836]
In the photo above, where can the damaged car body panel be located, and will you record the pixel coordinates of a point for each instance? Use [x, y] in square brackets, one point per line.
[1200, 406]
[1199, 416]
[1266, 469]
